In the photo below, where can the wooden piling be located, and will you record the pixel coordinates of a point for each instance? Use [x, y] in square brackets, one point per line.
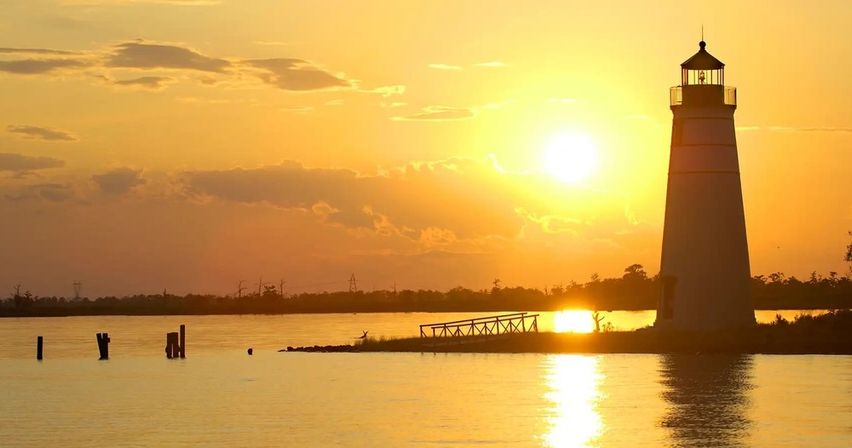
[103, 345]
[39, 347]
[172, 345]
[182, 341]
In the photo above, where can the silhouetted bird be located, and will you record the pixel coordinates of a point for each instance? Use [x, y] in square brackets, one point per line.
[363, 336]
[250, 351]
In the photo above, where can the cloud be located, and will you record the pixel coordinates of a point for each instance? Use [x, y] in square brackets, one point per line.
[119, 180]
[447, 67]
[145, 82]
[36, 51]
[291, 74]
[296, 74]
[438, 113]
[386, 91]
[19, 163]
[455, 68]
[492, 64]
[38, 132]
[551, 223]
[272, 43]
[146, 56]
[130, 2]
[456, 195]
[39, 66]
[297, 109]
[52, 192]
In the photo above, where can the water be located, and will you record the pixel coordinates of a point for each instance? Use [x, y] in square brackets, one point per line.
[219, 396]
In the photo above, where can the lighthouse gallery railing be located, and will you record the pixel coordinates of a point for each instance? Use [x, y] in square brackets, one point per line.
[729, 94]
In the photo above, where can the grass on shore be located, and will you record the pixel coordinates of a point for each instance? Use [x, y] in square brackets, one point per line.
[830, 333]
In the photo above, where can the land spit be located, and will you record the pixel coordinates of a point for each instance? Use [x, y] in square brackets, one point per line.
[827, 334]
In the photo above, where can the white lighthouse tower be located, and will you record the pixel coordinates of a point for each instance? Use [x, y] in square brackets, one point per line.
[705, 267]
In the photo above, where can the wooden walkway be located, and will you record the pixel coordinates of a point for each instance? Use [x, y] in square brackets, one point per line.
[482, 326]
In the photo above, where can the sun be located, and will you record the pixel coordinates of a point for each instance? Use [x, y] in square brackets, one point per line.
[573, 321]
[570, 158]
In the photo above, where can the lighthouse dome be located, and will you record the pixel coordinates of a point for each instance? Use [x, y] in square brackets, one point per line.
[702, 60]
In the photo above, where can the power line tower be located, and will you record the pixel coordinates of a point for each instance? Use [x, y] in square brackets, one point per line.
[78, 287]
[240, 288]
[353, 283]
[281, 287]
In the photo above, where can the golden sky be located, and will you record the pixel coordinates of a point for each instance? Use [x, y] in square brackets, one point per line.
[181, 144]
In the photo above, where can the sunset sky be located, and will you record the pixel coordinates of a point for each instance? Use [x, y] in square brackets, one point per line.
[188, 145]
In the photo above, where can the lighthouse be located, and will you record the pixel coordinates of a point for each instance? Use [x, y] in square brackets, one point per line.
[705, 266]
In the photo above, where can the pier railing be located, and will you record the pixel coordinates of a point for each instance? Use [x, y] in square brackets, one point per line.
[482, 326]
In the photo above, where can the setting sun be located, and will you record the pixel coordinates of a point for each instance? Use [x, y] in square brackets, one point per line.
[573, 321]
[570, 158]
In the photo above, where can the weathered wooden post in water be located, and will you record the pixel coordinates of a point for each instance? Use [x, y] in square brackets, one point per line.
[176, 343]
[103, 345]
[182, 347]
[171, 345]
[39, 347]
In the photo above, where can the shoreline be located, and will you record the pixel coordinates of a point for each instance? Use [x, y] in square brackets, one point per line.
[635, 342]
[830, 333]
[4, 315]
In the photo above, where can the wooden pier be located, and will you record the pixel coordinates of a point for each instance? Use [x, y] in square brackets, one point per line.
[482, 326]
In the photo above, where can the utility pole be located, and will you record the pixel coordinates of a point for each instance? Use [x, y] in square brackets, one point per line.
[394, 287]
[281, 287]
[240, 288]
[353, 283]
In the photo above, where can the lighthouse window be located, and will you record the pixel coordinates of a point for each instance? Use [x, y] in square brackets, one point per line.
[703, 77]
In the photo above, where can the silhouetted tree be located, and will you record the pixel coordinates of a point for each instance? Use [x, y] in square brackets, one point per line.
[635, 271]
[498, 284]
[849, 250]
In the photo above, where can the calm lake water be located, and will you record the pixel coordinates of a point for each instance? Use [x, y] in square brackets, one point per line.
[219, 396]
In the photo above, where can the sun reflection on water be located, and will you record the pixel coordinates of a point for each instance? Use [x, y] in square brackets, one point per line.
[574, 420]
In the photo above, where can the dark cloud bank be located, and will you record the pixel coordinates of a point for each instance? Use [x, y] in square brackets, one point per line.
[407, 202]
[118, 180]
[39, 132]
[19, 163]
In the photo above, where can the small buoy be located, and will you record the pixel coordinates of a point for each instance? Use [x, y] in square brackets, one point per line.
[250, 351]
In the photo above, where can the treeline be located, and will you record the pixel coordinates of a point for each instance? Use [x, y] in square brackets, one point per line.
[634, 290]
